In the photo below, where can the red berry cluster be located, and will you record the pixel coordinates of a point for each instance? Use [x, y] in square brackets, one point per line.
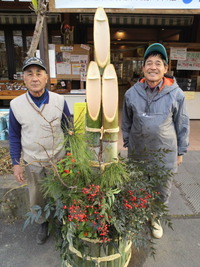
[76, 213]
[88, 215]
[135, 201]
[103, 230]
[92, 191]
[68, 165]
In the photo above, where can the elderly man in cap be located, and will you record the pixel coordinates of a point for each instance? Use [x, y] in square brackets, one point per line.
[154, 117]
[36, 124]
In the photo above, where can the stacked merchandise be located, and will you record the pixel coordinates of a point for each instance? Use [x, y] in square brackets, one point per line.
[187, 84]
[4, 114]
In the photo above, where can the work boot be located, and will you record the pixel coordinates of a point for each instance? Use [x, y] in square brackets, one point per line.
[42, 233]
[157, 230]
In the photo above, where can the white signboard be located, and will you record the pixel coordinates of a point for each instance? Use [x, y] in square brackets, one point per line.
[178, 53]
[76, 69]
[191, 63]
[52, 68]
[130, 4]
[63, 68]
[52, 63]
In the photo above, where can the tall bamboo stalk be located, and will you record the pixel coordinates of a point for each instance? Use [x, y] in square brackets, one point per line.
[101, 36]
[110, 114]
[93, 96]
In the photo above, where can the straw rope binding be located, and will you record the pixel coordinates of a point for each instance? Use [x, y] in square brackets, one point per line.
[101, 259]
[102, 130]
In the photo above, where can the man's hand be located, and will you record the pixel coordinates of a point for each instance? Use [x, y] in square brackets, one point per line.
[18, 173]
[179, 160]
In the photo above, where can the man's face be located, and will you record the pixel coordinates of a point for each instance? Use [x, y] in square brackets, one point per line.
[35, 79]
[154, 69]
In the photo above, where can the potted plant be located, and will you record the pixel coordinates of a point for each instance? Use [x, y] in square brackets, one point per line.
[100, 211]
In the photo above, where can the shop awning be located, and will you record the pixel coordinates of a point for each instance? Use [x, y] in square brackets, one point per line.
[121, 19]
[26, 18]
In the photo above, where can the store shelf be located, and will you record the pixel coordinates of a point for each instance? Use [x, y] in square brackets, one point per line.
[10, 94]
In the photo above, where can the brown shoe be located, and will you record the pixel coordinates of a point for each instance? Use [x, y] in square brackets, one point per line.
[42, 233]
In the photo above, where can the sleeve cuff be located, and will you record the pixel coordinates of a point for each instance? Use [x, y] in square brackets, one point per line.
[15, 161]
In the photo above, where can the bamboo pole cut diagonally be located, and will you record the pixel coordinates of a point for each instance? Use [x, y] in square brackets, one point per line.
[93, 97]
[101, 38]
[110, 113]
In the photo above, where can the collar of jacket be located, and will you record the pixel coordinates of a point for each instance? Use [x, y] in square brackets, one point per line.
[43, 99]
[166, 81]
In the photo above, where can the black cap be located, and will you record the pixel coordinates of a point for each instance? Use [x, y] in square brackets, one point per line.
[33, 61]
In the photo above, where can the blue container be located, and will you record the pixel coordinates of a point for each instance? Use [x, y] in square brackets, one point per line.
[4, 119]
[4, 135]
[3, 124]
[7, 120]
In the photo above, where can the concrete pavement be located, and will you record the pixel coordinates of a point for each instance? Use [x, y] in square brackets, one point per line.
[181, 247]
[178, 248]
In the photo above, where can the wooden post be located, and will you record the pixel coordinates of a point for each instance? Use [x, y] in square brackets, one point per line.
[170, 66]
[43, 47]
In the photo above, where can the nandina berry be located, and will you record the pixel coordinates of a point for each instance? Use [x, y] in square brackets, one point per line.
[128, 206]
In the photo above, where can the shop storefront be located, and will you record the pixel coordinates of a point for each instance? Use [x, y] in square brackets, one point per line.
[176, 24]
[136, 24]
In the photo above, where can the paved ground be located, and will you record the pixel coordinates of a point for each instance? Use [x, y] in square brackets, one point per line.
[19, 249]
[178, 248]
